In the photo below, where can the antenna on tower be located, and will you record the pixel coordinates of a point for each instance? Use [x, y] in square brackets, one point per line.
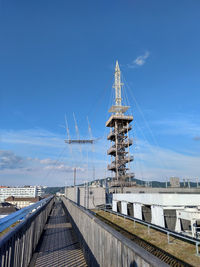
[117, 85]
[118, 109]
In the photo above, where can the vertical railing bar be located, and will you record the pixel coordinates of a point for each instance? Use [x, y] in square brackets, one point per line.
[148, 229]
[12, 249]
[3, 256]
[197, 249]
[15, 249]
[7, 255]
[168, 238]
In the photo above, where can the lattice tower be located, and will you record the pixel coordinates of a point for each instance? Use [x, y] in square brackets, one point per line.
[119, 124]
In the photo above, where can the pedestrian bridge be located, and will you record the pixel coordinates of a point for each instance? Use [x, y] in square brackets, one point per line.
[57, 232]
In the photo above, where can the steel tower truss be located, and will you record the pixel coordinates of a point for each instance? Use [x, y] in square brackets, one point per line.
[119, 124]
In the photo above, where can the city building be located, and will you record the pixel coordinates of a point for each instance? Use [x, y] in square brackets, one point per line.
[26, 191]
[40, 190]
[22, 202]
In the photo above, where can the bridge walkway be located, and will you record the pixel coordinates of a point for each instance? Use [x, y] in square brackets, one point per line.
[59, 245]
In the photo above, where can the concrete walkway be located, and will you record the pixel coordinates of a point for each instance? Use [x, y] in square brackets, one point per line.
[59, 245]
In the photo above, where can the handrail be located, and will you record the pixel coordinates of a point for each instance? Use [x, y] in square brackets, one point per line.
[18, 244]
[104, 253]
[169, 233]
[21, 214]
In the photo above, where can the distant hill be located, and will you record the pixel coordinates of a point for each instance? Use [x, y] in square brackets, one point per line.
[54, 190]
[143, 183]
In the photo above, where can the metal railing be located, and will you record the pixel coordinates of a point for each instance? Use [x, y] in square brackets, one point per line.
[159, 228]
[18, 245]
[102, 245]
[21, 214]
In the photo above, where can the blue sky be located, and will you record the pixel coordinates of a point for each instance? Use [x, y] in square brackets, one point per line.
[58, 57]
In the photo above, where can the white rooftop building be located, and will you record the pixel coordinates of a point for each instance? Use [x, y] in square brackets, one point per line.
[177, 212]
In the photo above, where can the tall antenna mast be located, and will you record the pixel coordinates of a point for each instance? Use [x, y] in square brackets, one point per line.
[117, 85]
[119, 124]
[118, 109]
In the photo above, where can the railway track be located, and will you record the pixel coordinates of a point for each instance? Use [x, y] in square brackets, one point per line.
[154, 250]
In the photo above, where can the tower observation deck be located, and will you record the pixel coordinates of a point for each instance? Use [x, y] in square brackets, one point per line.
[119, 124]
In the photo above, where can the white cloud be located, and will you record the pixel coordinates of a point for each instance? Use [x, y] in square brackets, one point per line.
[8, 160]
[18, 170]
[150, 162]
[11, 161]
[63, 168]
[47, 161]
[50, 168]
[179, 126]
[158, 163]
[33, 137]
[139, 61]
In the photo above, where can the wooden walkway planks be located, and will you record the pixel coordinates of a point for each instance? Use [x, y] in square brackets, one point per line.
[59, 245]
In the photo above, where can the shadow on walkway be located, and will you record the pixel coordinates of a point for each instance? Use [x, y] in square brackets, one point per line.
[59, 245]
